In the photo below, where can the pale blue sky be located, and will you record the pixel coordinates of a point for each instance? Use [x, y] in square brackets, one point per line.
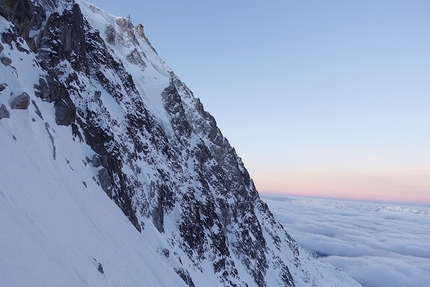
[318, 97]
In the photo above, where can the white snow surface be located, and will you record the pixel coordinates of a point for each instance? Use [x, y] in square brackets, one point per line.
[58, 227]
[56, 224]
[151, 80]
[54, 231]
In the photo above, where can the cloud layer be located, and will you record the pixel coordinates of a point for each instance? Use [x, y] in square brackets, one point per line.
[376, 244]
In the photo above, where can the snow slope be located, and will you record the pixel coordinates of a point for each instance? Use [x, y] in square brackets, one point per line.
[54, 230]
[114, 175]
[56, 224]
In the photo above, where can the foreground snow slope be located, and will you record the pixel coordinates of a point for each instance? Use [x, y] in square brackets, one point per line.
[113, 174]
[54, 230]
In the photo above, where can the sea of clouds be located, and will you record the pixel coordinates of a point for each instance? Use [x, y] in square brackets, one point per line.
[377, 244]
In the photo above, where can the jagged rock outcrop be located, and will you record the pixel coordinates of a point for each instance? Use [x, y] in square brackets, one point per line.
[4, 113]
[20, 102]
[67, 28]
[6, 61]
[155, 151]
[26, 16]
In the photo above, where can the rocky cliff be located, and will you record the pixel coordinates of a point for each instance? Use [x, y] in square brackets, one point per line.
[150, 145]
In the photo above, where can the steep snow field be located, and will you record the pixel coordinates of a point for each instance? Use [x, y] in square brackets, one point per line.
[57, 225]
[376, 244]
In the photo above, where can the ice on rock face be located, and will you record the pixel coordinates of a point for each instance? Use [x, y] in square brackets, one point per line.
[142, 184]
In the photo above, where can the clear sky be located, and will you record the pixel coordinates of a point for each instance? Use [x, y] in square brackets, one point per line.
[319, 98]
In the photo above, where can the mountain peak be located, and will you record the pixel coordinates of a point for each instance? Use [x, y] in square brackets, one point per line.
[109, 122]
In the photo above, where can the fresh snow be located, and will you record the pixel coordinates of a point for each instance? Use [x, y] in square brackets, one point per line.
[53, 229]
[59, 228]
[149, 81]
[56, 223]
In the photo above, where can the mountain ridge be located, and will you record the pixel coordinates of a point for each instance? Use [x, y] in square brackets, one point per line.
[103, 104]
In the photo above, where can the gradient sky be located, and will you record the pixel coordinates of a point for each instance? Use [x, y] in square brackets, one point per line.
[319, 98]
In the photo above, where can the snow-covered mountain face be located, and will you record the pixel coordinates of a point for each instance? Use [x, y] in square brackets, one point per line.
[88, 109]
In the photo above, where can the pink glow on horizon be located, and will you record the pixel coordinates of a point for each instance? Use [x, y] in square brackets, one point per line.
[409, 199]
[400, 186]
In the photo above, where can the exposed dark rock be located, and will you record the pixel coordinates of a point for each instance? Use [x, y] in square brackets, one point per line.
[126, 31]
[164, 202]
[4, 113]
[6, 61]
[43, 91]
[100, 268]
[181, 170]
[97, 161]
[1, 48]
[54, 149]
[124, 23]
[185, 276]
[77, 133]
[174, 106]
[36, 108]
[3, 12]
[51, 90]
[105, 181]
[20, 102]
[65, 111]
[26, 16]
[8, 37]
[97, 96]
[99, 58]
[136, 58]
[110, 34]
[2, 87]
[140, 30]
[165, 252]
[68, 31]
